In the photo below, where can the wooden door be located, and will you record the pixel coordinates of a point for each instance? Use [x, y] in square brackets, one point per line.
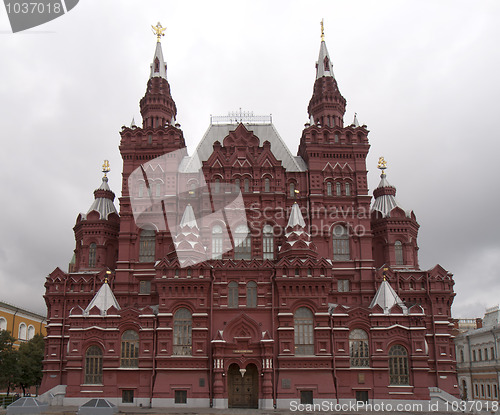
[243, 391]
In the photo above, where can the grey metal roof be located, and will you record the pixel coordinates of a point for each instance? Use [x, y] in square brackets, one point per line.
[265, 132]
[103, 205]
[320, 65]
[386, 203]
[162, 65]
[296, 218]
[103, 300]
[387, 298]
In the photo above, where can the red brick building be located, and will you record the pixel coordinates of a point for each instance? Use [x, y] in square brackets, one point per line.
[322, 299]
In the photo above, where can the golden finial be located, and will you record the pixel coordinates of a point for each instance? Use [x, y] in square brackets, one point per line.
[159, 30]
[322, 31]
[108, 273]
[382, 164]
[384, 274]
[105, 168]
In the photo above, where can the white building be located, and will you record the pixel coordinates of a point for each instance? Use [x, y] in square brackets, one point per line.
[478, 363]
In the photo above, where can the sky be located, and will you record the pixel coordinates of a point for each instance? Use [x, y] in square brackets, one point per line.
[422, 75]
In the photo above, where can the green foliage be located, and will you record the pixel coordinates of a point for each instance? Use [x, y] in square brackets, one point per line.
[8, 361]
[30, 357]
[23, 366]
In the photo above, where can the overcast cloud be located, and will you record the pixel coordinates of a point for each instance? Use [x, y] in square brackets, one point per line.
[423, 76]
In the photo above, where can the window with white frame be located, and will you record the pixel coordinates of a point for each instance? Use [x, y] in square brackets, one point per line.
[217, 242]
[182, 332]
[93, 365]
[268, 242]
[129, 356]
[242, 243]
[398, 366]
[23, 332]
[340, 240]
[147, 241]
[304, 331]
[398, 253]
[251, 294]
[358, 347]
[232, 295]
[31, 332]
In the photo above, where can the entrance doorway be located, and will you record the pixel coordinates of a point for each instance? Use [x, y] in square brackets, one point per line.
[243, 386]
[362, 396]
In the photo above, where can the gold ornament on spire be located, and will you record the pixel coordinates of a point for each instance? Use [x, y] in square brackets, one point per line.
[382, 164]
[158, 30]
[322, 31]
[105, 168]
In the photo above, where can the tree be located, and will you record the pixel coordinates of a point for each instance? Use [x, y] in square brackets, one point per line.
[30, 357]
[8, 361]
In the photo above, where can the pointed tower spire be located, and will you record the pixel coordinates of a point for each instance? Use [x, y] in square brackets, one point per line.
[327, 105]
[386, 298]
[103, 300]
[355, 121]
[157, 106]
[298, 243]
[188, 245]
[158, 67]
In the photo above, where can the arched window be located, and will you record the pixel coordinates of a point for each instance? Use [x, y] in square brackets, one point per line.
[303, 326]
[292, 189]
[217, 186]
[329, 188]
[268, 242]
[338, 189]
[147, 241]
[327, 64]
[92, 255]
[31, 332]
[347, 189]
[158, 189]
[3, 324]
[130, 349]
[192, 189]
[232, 294]
[340, 244]
[93, 366]
[182, 332]
[242, 243]
[23, 332]
[157, 65]
[251, 294]
[216, 242]
[462, 359]
[141, 189]
[398, 366]
[246, 185]
[267, 185]
[237, 185]
[398, 253]
[358, 346]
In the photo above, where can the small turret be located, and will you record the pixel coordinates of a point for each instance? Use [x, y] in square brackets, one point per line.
[96, 232]
[395, 229]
